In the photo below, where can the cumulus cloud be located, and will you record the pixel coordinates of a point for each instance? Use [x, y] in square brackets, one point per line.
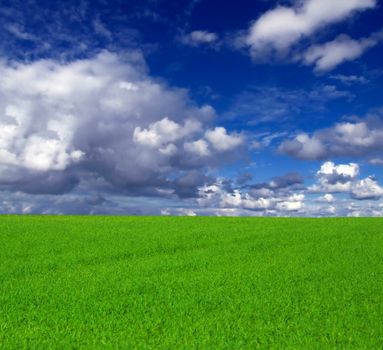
[335, 178]
[221, 140]
[162, 133]
[326, 57]
[335, 172]
[367, 188]
[280, 28]
[286, 195]
[327, 198]
[304, 147]
[278, 196]
[103, 122]
[359, 138]
[199, 147]
[332, 178]
[294, 203]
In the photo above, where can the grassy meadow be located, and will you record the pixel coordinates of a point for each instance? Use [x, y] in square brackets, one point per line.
[72, 282]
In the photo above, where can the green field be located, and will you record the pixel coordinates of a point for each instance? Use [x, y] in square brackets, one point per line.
[190, 283]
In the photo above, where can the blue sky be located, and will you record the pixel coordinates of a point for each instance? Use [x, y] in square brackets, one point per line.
[194, 107]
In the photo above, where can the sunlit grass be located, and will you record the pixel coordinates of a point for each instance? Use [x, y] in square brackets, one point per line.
[185, 283]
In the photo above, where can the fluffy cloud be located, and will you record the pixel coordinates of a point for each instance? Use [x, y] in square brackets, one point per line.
[161, 134]
[329, 55]
[335, 178]
[360, 138]
[287, 196]
[332, 178]
[276, 197]
[304, 147]
[294, 203]
[278, 29]
[199, 147]
[327, 198]
[221, 140]
[104, 123]
[367, 188]
[334, 172]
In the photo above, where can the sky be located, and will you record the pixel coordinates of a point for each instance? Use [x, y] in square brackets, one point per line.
[199, 107]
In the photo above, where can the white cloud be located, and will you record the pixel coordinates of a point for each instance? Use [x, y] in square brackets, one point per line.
[357, 134]
[165, 212]
[187, 212]
[222, 141]
[199, 37]
[289, 206]
[274, 202]
[36, 151]
[327, 198]
[335, 178]
[350, 170]
[278, 29]
[367, 188]
[48, 154]
[199, 147]
[331, 187]
[327, 56]
[105, 123]
[343, 139]
[164, 131]
[128, 86]
[305, 147]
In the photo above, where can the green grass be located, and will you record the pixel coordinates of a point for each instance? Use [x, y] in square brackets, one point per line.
[190, 283]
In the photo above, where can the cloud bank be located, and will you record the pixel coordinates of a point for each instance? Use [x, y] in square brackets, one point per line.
[103, 123]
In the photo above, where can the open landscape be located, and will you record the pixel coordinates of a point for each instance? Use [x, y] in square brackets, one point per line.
[190, 283]
[191, 174]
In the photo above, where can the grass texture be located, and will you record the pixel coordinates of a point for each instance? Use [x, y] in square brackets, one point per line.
[72, 282]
